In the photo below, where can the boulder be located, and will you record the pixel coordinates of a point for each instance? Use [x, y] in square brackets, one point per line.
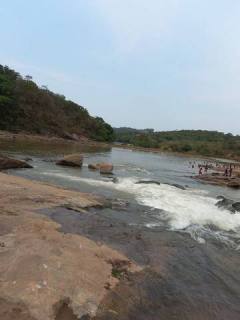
[176, 186]
[226, 204]
[148, 182]
[105, 168]
[236, 206]
[72, 160]
[92, 166]
[220, 197]
[9, 163]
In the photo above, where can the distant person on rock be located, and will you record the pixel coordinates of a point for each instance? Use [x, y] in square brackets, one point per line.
[200, 171]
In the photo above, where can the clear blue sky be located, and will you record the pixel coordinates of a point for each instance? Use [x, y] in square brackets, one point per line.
[163, 64]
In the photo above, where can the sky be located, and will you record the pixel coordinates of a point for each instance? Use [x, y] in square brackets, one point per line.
[162, 64]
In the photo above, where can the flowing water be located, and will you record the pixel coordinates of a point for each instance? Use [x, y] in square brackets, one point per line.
[191, 245]
[192, 210]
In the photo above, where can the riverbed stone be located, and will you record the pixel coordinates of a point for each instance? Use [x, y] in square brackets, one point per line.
[105, 168]
[148, 182]
[72, 160]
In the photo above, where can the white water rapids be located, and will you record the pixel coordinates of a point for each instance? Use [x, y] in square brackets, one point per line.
[180, 208]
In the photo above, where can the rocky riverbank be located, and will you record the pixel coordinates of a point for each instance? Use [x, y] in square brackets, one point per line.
[47, 274]
[219, 180]
[66, 255]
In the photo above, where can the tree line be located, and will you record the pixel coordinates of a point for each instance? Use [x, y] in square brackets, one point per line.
[203, 142]
[24, 106]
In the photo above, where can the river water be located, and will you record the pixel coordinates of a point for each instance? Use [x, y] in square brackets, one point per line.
[190, 247]
[192, 210]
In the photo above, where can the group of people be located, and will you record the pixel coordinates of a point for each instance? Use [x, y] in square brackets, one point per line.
[203, 168]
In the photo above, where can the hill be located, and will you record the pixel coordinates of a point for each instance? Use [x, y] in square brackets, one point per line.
[26, 107]
[202, 142]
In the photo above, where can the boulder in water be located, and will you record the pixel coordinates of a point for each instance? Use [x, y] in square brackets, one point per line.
[92, 166]
[176, 186]
[220, 197]
[148, 182]
[228, 204]
[105, 168]
[72, 160]
[9, 163]
[236, 206]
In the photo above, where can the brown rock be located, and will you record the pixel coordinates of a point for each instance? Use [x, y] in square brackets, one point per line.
[9, 163]
[105, 168]
[72, 160]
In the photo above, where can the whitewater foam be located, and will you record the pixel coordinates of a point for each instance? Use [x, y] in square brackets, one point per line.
[179, 208]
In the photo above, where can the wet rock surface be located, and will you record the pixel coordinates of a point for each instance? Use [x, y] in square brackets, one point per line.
[178, 186]
[228, 204]
[180, 278]
[148, 182]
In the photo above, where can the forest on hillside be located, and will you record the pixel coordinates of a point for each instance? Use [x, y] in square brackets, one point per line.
[203, 142]
[24, 106]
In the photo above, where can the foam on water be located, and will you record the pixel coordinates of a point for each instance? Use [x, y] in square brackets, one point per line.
[182, 208]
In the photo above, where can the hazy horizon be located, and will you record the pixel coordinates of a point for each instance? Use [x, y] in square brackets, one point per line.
[164, 65]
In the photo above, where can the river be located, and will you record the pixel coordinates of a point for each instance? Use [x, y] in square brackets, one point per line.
[181, 229]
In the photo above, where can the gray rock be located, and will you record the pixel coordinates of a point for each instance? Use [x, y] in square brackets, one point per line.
[176, 186]
[148, 182]
[236, 206]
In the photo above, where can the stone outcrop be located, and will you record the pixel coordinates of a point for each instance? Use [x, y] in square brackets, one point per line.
[10, 163]
[72, 160]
